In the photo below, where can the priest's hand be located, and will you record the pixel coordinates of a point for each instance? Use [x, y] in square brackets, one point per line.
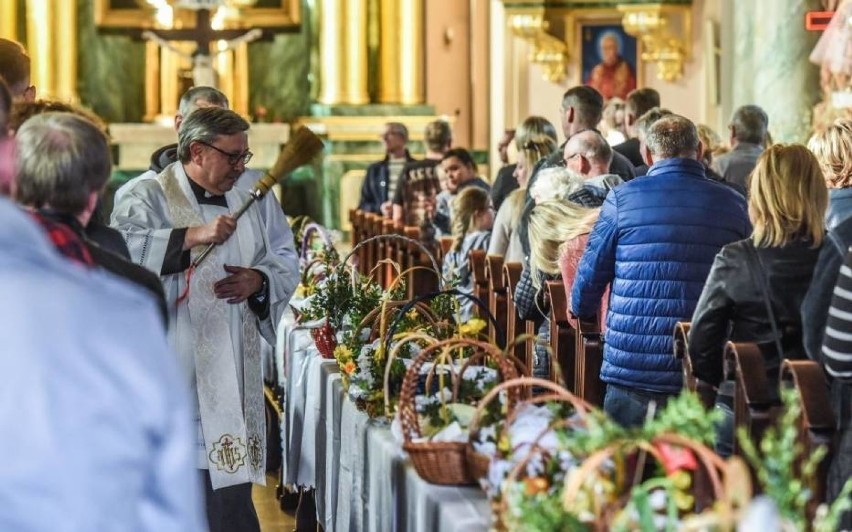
[215, 232]
[239, 286]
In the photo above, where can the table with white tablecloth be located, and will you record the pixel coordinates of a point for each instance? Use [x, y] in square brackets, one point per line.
[363, 480]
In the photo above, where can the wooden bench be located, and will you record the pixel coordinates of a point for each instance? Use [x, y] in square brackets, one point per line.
[563, 336]
[496, 298]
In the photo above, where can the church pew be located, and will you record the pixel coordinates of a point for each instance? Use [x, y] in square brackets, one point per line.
[755, 404]
[563, 339]
[496, 298]
[354, 221]
[369, 249]
[476, 264]
[514, 324]
[705, 392]
[588, 362]
[817, 426]
[377, 248]
[445, 245]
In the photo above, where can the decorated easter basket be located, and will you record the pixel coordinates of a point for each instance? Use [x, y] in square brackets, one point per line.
[442, 463]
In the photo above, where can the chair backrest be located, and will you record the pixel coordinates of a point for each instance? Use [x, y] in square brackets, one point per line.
[476, 263]
[563, 337]
[588, 362]
[817, 427]
[755, 403]
[514, 324]
[496, 297]
[705, 392]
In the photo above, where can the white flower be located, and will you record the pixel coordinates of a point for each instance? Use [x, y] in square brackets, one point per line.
[657, 500]
[365, 335]
[497, 473]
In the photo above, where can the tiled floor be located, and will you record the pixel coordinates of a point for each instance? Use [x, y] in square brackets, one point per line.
[272, 519]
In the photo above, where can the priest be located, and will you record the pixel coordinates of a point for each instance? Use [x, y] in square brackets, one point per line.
[219, 309]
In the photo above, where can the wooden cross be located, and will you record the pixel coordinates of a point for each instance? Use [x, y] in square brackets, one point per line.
[202, 34]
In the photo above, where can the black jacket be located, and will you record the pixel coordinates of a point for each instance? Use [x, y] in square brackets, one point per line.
[504, 184]
[630, 149]
[374, 190]
[733, 301]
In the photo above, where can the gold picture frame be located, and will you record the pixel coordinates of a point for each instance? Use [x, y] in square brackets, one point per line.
[584, 30]
[128, 14]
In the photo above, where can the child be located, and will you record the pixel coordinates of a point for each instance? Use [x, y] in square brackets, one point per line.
[473, 216]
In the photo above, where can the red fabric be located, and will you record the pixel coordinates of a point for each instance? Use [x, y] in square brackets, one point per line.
[65, 240]
[568, 263]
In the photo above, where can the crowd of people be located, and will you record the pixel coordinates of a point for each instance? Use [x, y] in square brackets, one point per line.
[135, 366]
[745, 239]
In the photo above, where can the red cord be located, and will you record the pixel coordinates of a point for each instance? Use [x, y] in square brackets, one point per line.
[185, 294]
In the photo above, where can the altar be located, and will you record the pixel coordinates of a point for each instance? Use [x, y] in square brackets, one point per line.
[135, 142]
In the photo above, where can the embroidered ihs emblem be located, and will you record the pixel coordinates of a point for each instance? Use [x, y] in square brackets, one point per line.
[255, 452]
[228, 454]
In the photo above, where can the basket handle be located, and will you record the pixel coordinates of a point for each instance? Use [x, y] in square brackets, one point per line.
[400, 238]
[581, 406]
[314, 227]
[432, 295]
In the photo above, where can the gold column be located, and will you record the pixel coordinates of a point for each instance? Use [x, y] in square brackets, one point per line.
[401, 52]
[52, 45]
[9, 19]
[66, 49]
[152, 81]
[240, 98]
[343, 52]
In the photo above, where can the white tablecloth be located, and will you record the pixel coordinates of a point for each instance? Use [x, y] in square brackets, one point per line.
[362, 478]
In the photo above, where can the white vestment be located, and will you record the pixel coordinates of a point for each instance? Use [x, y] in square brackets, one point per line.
[217, 343]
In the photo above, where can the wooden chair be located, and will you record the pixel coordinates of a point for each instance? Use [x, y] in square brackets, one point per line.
[446, 244]
[817, 426]
[588, 362]
[496, 298]
[476, 263]
[390, 248]
[355, 222]
[705, 392]
[755, 403]
[514, 324]
[563, 336]
[420, 281]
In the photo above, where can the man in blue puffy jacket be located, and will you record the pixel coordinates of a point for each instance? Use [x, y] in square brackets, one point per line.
[654, 241]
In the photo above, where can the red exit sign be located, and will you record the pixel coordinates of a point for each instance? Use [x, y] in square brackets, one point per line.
[817, 20]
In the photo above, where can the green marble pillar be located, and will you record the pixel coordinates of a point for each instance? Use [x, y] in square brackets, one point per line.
[771, 67]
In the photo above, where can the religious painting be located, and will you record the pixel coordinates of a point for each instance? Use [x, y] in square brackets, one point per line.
[607, 58]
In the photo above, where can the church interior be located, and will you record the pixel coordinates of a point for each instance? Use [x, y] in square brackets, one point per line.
[353, 72]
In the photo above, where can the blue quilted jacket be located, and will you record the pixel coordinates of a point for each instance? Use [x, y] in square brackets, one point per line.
[655, 241]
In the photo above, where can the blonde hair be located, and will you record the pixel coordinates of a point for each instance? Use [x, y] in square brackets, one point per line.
[710, 140]
[466, 205]
[535, 138]
[552, 225]
[833, 150]
[787, 197]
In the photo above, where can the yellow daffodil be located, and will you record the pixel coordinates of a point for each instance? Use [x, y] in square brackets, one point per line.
[472, 327]
[342, 354]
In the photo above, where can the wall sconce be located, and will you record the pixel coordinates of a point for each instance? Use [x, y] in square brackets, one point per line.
[656, 26]
[546, 50]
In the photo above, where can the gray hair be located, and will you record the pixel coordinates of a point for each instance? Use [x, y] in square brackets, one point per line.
[62, 159]
[750, 123]
[594, 147]
[672, 136]
[205, 125]
[555, 182]
[644, 123]
[189, 100]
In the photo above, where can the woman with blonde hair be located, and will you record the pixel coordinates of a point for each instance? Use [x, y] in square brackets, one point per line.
[833, 150]
[473, 216]
[535, 139]
[756, 286]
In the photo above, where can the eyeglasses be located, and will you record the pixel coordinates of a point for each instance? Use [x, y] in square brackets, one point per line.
[564, 161]
[233, 158]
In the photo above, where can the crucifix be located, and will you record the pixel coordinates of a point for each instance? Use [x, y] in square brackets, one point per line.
[203, 34]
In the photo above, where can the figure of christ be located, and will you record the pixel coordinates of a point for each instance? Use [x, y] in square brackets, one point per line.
[613, 76]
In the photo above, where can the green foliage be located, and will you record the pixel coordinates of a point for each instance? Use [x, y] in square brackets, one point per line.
[776, 463]
[542, 512]
[684, 415]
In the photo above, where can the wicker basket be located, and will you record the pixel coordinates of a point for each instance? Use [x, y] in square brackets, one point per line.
[325, 340]
[478, 463]
[442, 463]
